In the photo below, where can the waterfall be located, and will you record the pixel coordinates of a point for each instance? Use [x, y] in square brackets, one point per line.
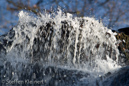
[58, 45]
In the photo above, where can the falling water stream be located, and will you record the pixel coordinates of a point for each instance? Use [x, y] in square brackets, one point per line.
[58, 49]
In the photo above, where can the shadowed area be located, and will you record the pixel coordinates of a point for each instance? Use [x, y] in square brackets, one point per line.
[124, 30]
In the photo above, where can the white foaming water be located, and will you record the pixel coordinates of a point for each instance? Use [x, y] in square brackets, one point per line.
[64, 41]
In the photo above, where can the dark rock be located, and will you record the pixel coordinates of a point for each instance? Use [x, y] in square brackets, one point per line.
[124, 30]
[113, 30]
[50, 76]
[119, 78]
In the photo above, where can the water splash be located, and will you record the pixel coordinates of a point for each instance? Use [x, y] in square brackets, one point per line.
[63, 41]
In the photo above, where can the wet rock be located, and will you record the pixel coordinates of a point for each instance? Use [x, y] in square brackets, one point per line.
[119, 78]
[49, 76]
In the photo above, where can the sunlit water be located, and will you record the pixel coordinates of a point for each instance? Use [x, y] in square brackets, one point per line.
[64, 42]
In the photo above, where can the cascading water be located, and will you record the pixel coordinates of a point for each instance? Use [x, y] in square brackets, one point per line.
[58, 50]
